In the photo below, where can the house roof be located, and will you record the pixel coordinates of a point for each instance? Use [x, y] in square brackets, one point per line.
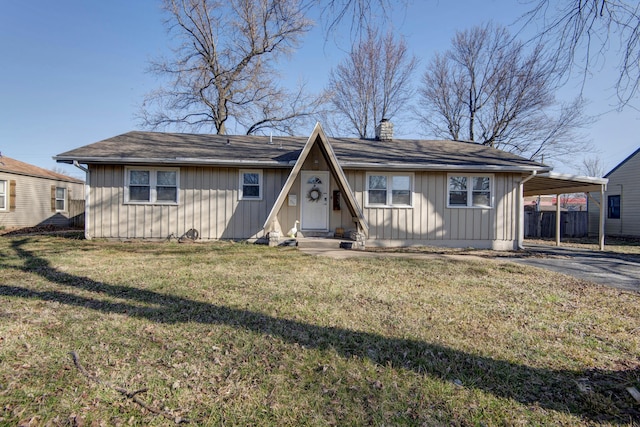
[632, 155]
[199, 149]
[14, 166]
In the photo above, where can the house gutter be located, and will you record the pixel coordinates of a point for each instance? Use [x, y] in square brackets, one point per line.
[288, 164]
[440, 167]
[175, 161]
[521, 209]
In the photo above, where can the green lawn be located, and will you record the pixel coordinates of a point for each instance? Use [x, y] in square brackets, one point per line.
[238, 334]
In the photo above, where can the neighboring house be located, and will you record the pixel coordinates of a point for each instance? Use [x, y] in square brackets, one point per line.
[622, 200]
[31, 196]
[390, 192]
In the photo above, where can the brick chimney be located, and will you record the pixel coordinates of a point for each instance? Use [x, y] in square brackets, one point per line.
[384, 130]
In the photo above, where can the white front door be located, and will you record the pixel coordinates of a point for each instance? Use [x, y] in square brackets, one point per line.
[314, 210]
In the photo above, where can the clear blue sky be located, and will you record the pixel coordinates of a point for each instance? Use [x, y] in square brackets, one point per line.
[73, 72]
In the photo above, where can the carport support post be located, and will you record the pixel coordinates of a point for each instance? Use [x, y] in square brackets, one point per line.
[557, 219]
[520, 244]
[602, 212]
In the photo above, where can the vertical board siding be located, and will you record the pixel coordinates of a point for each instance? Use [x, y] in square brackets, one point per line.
[430, 219]
[434, 220]
[208, 203]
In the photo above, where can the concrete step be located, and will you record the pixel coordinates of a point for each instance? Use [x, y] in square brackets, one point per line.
[320, 242]
[314, 233]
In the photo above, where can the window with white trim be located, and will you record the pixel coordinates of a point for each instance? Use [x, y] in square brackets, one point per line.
[470, 191]
[151, 185]
[250, 184]
[4, 187]
[389, 190]
[60, 199]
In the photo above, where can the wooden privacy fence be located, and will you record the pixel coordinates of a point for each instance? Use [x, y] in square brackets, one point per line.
[76, 213]
[543, 224]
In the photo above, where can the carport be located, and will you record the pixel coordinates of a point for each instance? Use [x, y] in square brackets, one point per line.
[551, 183]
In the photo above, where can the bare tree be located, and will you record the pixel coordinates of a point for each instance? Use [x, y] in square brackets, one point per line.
[487, 88]
[223, 69]
[373, 82]
[224, 66]
[592, 166]
[583, 31]
[359, 14]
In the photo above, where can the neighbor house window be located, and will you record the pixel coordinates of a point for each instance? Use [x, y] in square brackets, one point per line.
[469, 191]
[60, 199]
[3, 195]
[157, 185]
[389, 190]
[613, 207]
[250, 185]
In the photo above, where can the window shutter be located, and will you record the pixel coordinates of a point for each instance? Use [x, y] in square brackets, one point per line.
[53, 198]
[12, 195]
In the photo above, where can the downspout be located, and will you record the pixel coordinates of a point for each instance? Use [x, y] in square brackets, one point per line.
[601, 224]
[558, 217]
[87, 187]
[521, 209]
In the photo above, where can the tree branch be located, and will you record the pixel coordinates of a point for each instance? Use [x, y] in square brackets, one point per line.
[133, 395]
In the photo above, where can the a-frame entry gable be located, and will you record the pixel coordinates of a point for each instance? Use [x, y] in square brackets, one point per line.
[318, 137]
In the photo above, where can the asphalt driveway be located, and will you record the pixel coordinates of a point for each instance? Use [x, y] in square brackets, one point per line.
[607, 268]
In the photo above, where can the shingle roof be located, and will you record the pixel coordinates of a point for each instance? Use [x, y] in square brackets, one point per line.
[10, 165]
[199, 149]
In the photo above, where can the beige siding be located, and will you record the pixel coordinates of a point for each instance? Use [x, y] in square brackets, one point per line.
[430, 221]
[33, 201]
[625, 182]
[208, 203]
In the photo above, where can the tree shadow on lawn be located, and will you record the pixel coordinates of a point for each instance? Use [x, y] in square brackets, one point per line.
[557, 390]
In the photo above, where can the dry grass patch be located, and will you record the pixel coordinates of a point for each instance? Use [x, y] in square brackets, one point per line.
[247, 335]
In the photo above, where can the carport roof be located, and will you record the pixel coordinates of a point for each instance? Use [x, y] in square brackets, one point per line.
[556, 183]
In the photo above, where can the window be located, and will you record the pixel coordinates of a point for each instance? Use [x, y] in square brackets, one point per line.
[613, 207]
[389, 190]
[60, 199]
[158, 185]
[468, 191]
[166, 188]
[3, 195]
[250, 185]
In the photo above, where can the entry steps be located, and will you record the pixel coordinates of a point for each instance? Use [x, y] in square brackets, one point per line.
[322, 242]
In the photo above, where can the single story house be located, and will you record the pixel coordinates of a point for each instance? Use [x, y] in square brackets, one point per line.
[622, 200]
[383, 192]
[31, 196]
